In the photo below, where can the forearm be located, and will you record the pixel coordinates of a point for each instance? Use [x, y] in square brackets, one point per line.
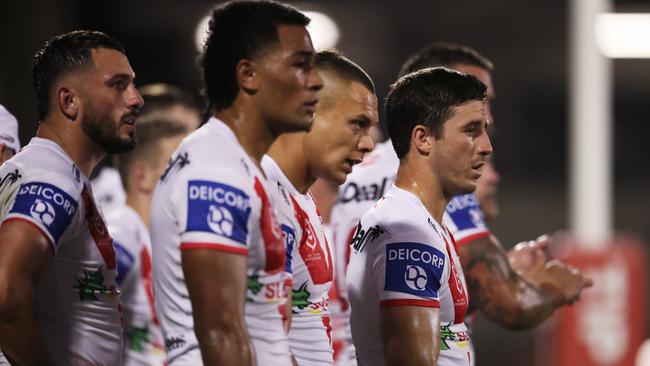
[516, 304]
[500, 293]
[20, 336]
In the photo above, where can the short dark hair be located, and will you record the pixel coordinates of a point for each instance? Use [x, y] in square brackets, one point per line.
[62, 54]
[343, 67]
[427, 97]
[159, 96]
[149, 131]
[240, 30]
[444, 54]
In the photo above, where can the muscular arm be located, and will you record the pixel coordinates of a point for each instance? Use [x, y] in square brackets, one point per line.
[411, 335]
[24, 254]
[498, 292]
[216, 282]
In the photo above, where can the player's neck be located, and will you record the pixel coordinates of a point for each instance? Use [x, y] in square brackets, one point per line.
[140, 203]
[424, 185]
[288, 152]
[79, 147]
[252, 132]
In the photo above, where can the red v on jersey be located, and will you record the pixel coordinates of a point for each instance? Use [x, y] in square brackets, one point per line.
[456, 284]
[98, 231]
[311, 251]
[271, 234]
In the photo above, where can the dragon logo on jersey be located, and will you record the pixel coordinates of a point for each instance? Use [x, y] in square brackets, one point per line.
[220, 220]
[137, 338]
[43, 211]
[448, 335]
[300, 297]
[92, 284]
[253, 284]
[415, 278]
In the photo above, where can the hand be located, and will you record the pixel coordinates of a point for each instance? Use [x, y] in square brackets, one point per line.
[529, 258]
[565, 279]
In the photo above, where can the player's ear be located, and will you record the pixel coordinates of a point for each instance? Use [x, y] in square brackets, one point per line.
[67, 102]
[247, 76]
[422, 139]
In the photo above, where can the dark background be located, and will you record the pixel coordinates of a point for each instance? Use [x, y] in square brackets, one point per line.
[527, 41]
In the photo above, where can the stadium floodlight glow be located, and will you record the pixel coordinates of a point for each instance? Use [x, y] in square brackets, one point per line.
[323, 30]
[623, 35]
[201, 32]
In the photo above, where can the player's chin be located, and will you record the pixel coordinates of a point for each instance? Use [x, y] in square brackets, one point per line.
[300, 123]
[465, 187]
[335, 176]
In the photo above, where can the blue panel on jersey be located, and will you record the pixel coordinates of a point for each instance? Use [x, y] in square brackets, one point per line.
[218, 208]
[465, 212]
[46, 204]
[414, 268]
[125, 261]
[290, 242]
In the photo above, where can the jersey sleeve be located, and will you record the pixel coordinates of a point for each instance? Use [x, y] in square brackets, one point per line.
[410, 267]
[213, 208]
[48, 203]
[464, 218]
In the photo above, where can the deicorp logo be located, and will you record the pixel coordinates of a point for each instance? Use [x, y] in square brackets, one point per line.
[414, 268]
[46, 204]
[43, 211]
[415, 278]
[218, 208]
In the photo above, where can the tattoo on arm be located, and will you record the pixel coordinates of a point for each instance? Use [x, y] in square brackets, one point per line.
[498, 292]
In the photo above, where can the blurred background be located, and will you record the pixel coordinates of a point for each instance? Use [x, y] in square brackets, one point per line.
[527, 40]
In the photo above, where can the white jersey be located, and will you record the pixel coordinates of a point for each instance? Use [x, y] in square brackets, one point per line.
[77, 298]
[143, 343]
[309, 263]
[108, 189]
[213, 196]
[369, 181]
[364, 186]
[402, 257]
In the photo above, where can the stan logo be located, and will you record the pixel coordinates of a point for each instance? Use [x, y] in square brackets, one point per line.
[415, 278]
[43, 211]
[220, 220]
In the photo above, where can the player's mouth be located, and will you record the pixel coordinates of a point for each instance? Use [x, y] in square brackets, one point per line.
[130, 118]
[477, 168]
[310, 105]
[351, 162]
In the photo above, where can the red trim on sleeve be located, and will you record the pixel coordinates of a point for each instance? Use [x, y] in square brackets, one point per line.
[410, 302]
[465, 240]
[45, 234]
[215, 246]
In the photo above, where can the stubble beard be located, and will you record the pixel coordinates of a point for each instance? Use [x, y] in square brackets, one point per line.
[103, 131]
